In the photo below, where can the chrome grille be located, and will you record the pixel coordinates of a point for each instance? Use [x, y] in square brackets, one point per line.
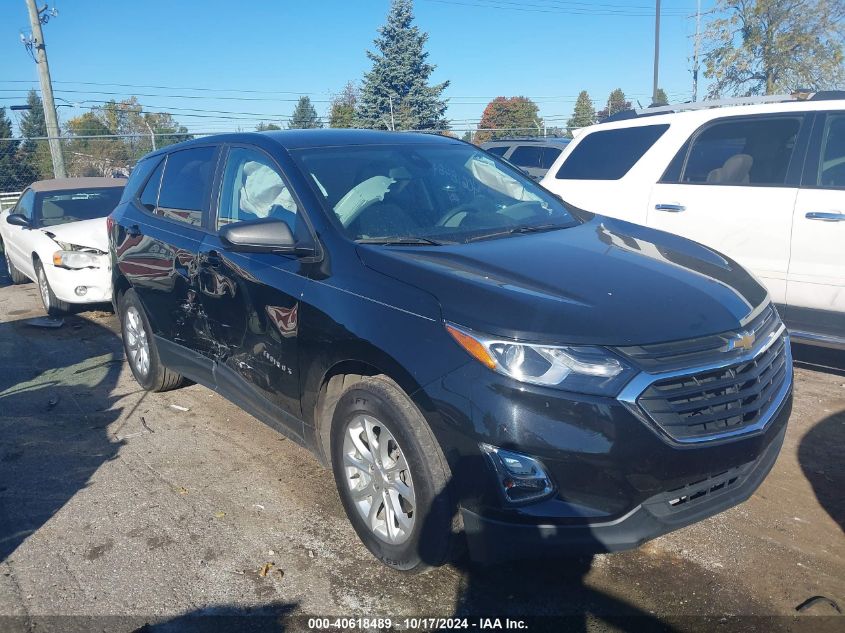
[713, 402]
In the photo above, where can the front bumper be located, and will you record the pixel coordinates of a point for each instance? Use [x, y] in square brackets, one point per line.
[493, 540]
[64, 282]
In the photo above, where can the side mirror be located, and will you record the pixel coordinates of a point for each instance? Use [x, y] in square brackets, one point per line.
[266, 235]
[17, 219]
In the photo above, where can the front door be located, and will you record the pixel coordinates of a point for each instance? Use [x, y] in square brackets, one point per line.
[251, 300]
[733, 187]
[21, 239]
[816, 286]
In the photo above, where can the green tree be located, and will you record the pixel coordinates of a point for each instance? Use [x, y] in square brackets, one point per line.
[584, 113]
[342, 112]
[398, 80]
[509, 116]
[266, 127]
[35, 154]
[774, 46]
[304, 115]
[87, 156]
[14, 175]
[616, 102]
[662, 98]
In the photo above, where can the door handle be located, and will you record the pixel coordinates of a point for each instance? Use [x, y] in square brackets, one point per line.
[133, 231]
[672, 208]
[826, 216]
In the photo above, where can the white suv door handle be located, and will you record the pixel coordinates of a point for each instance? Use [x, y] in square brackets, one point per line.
[674, 208]
[826, 216]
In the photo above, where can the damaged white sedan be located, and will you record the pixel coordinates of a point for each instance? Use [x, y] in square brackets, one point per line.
[56, 236]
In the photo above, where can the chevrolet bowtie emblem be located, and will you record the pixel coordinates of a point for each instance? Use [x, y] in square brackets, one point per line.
[740, 340]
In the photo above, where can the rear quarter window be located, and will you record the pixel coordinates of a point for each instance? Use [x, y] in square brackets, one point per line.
[609, 154]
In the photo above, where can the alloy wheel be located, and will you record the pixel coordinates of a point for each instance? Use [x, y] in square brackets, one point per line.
[136, 341]
[44, 288]
[379, 479]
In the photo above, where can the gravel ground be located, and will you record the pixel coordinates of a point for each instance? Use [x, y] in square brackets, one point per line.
[123, 508]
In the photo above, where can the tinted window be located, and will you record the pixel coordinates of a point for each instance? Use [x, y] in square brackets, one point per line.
[253, 188]
[185, 185]
[526, 156]
[609, 154]
[548, 156]
[61, 207]
[441, 192]
[745, 152]
[24, 206]
[499, 151]
[149, 196]
[832, 164]
[139, 176]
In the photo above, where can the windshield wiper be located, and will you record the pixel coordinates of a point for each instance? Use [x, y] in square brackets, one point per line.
[520, 230]
[399, 241]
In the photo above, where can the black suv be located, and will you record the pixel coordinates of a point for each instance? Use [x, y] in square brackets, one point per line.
[474, 358]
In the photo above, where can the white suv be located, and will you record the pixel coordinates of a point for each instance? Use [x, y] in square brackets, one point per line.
[764, 183]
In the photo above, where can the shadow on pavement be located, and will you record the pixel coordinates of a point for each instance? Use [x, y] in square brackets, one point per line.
[823, 359]
[55, 407]
[269, 618]
[820, 456]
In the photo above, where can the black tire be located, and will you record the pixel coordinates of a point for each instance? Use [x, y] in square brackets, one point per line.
[52, 305]
[15, 275]
[430, 540]
[157, 377]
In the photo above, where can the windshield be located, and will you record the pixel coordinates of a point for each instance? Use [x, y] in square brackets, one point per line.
[61, 207]
[428, 193]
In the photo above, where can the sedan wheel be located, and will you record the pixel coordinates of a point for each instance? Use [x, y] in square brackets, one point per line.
[379, 479]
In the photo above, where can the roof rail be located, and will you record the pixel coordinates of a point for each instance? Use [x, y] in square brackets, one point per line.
[799, 95]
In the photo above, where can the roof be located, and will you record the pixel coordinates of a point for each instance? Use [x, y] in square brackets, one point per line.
[322, 137]
[62, 184]
[548, 140]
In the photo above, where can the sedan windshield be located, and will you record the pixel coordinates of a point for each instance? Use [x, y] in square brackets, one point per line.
[422, 194]
[74, 205]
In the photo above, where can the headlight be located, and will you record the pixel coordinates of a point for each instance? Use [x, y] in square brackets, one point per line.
[76, 259]
[583, 369]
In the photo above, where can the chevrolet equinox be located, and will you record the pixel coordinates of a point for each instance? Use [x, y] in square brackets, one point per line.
[478, 361]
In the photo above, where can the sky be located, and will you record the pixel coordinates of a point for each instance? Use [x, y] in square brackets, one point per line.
[220, 65]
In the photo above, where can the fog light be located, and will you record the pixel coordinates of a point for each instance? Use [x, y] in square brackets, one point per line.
[81, 291]
[521, 478]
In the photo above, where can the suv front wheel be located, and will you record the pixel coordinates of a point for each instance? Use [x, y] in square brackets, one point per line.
[391, 475]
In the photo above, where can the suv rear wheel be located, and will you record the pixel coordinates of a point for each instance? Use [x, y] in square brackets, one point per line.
[141, 350]
[391, 475]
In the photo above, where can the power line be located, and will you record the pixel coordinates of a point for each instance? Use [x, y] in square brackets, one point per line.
[508, 5]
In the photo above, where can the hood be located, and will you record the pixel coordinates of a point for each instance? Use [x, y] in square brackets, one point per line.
[604, 282]
[86, 233]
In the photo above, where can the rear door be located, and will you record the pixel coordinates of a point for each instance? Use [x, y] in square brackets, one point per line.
[733, 187]
[157, 248]
[251, 300]
[816, 284]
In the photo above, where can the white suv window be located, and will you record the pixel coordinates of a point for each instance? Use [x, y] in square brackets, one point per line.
[609, 154]
[738, 152]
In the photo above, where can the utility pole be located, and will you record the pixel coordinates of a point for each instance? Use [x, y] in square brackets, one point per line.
[392, 122]
[656, 49]
[50, 117]
[696, 47]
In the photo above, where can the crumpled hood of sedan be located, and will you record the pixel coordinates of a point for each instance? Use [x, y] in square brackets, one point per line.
[86, 233]
[605, 282]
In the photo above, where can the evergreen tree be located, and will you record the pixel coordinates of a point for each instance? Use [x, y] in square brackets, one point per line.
[304, 115]
[584, 113]
[399, 78]
[343, 107]
[616, 102]
[35, 155]
[14, 175]
[662, 98]
[265, 127]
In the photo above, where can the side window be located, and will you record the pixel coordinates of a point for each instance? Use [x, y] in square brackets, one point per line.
[25, 204]
[499, 151]
[527, 156]
[253, 188]
[549, 156]
[609, 154]
[742, 152]
[139, 175]
[832, 164]
[185, 185]
[149, 196]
